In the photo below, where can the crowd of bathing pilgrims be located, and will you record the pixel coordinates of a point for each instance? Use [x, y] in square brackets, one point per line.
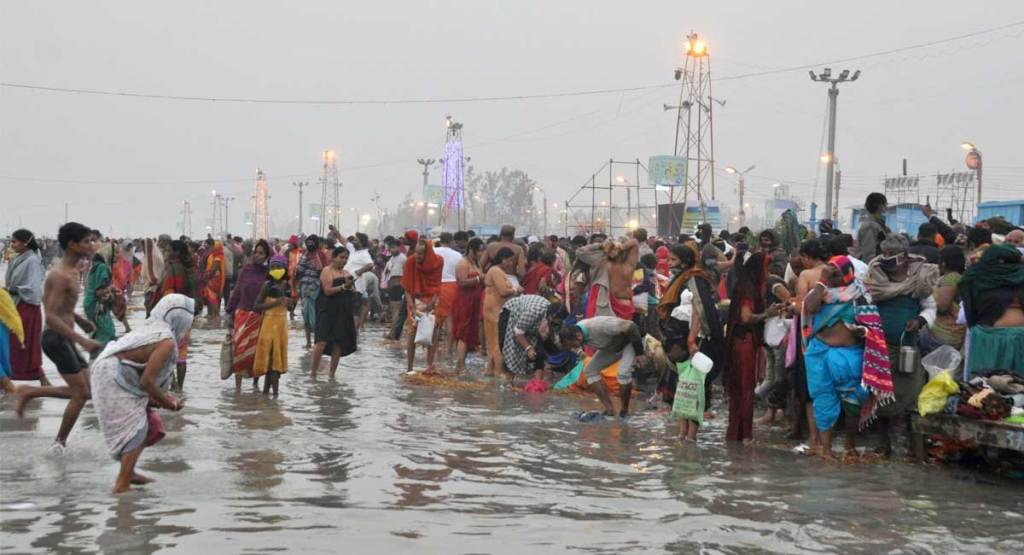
[812, 325]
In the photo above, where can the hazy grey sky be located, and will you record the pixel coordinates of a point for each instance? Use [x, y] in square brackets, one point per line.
[126, 164]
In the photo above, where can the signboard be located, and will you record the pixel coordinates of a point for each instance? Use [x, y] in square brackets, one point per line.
[903, 182]
[434, 195]
[709, 214]
[667, 171]
[672, 220]
[955, 178]
[316, 211]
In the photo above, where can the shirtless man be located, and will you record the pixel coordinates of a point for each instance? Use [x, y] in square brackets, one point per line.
[620, 264]
[813, 254]
[60, 295]
[611, 276]
[506, 238]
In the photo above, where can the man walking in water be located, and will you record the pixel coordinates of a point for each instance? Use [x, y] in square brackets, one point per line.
[60, 295]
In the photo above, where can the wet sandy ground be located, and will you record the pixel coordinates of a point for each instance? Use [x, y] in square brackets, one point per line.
[372, 463]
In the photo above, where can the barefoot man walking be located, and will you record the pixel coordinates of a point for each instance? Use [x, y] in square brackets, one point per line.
[60, 295]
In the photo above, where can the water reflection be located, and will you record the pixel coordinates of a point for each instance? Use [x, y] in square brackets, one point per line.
[393, 466]
[134, 525]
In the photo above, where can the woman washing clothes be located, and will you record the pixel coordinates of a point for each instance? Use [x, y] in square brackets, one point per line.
[131, 377]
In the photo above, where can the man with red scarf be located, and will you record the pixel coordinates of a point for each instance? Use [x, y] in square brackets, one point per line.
[421, 280]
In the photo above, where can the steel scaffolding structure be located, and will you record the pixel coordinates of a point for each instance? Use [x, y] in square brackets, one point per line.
[604, 211]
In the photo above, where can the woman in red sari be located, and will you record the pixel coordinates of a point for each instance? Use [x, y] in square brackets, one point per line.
[245, 320]
[468, 303]
[24, 279]
[216, 273]
[179, 278]
[744, 339]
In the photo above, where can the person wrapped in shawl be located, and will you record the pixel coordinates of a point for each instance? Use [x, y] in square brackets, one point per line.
[24, 281]
[901, 284]
[10, 327]
[99, 296]
[687, 309]
[421, 279]
[216, 274]
[134, 373]
[846, 358]
[993, 301]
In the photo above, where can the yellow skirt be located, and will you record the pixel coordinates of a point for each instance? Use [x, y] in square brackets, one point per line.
[272, 346]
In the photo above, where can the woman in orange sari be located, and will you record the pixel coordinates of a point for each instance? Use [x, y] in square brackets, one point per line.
[216, 273]
[421, 279]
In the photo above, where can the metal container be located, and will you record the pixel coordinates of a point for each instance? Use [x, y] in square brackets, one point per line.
[909, 357]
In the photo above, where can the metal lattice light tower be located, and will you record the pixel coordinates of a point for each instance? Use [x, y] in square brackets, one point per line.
[262, 227]
[694, 123]
[330, 193]
[215, 217]
[452, 172]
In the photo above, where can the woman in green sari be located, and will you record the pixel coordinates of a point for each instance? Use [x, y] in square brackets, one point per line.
[992, 290]
[98, 299]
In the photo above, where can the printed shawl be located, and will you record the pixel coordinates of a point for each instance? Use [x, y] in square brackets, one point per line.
[876, 373]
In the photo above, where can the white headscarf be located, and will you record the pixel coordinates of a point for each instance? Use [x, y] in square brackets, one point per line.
[176, 311]
[171, 318]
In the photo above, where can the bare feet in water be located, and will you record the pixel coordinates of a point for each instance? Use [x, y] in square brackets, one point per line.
[20, 400]
[138, 479]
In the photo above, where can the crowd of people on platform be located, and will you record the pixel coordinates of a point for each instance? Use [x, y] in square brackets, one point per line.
[807, 323]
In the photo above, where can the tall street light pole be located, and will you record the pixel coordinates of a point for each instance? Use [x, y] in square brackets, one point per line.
[216, 209]
[300, 185]
[833, 97]
[227, 202]
[544, 198]
[973, 162]
[732, 170]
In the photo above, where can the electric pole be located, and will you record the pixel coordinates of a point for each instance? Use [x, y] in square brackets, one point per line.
[300, 185]
[227, 202]
[742, 191]
[835, 197]
[426, 163]
[186, 218]
[833, 97]
[216, 212]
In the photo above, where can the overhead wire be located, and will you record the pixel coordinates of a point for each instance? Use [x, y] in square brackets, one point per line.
[475, 99]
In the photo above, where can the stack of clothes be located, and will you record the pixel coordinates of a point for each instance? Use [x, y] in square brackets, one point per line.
[990, 395]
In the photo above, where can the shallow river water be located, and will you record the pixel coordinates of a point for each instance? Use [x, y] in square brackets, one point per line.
[371, 463]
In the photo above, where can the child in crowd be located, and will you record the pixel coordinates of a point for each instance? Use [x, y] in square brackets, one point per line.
[274, 302]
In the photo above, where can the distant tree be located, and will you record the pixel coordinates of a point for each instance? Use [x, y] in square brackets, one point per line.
[500, 197]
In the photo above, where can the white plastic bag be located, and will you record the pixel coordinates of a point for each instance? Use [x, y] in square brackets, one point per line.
[425, 329]
[776, 329]
[943, 358]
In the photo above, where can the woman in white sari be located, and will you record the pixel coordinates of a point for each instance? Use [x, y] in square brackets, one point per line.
[134, 374]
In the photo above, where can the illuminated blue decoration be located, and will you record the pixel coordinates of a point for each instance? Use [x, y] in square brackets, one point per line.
[451, 174]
